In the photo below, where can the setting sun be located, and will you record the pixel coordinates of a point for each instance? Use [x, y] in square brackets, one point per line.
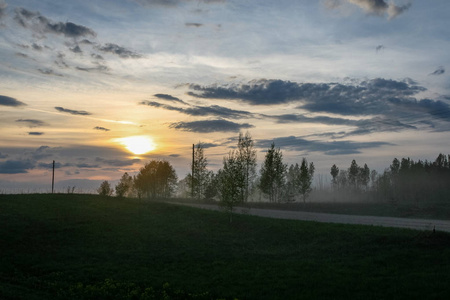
[138, 144]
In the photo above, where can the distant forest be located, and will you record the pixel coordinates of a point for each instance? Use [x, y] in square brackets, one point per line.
[238, 180]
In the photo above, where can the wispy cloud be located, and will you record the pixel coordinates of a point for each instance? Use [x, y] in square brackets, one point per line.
[439, 71]
[328, 148]
[213, 110]
[373, 7]
[169, 98]
[40, 24]
[35, 133]
[101, 128]
[207, 126]
[118, 50]
[71, 111]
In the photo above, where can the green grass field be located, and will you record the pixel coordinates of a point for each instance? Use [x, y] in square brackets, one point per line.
[88, 247]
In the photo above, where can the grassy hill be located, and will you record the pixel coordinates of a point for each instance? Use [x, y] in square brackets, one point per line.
[89, 247]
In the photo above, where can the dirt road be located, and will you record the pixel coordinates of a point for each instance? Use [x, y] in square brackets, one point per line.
[419, 224]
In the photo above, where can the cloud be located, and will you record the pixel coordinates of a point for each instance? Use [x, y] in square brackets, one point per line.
[73, 112]
[99, 68]
[38, 23]
[213, 110]
[3, 155]
[101, 128]
[118, 162]
[328, 148]
[379, 48]
[379, 8]
[3, 7]
[272, 92]
[35, 133]
[173, 3]
[16, 166]
[32, 122]
[439, 71]
[207, 126]
[169, 98]
[48, 71]
[118, 50]
[76, 49]
[8, 101]
[193, 24]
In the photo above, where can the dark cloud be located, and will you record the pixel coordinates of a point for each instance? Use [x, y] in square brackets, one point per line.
[379, 48]
[439, 71]
[16, 166]
[372, 97]
[373, 7]
[86, 166]
[168, 98]
[38, 23]
[41, 152]
[193, 24]
[21, 55]
[97, 56]
[32, 122]
[71, 111]
[99, 68]
[118, 162]
[47, 71]
[8, 101]
[3, 155]
[118, 50]
[76, 49]
[207, 126]
[174, 155]
[35, 133]
[101, 128]
[199, 111]
[328, 148]
[37, 47]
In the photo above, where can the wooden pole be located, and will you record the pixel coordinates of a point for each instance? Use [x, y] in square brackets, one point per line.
[53, 177]
[192, 173]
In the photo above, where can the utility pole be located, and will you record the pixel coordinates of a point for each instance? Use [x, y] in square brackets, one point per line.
[192, 174]
[53, 177]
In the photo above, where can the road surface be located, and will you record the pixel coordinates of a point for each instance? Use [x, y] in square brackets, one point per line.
[418, 224]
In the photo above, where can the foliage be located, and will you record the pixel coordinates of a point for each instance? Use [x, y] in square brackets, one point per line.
[247, 157]
[156, 179]
[105, 189]
[231, 182]
[125, 186]
[334, 174]
[306, 178]
[199, 180]
[273, 174]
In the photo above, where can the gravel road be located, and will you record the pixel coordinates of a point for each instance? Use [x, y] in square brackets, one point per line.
[418, 224]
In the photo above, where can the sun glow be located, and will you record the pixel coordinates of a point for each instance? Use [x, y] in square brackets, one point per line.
[138, 144]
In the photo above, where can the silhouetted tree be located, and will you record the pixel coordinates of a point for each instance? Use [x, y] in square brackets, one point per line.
[156, 179]
[201, 177]
[125, 186]
[353, 175]
[334, 174]
[105, 189]
[273, 174]
[231, 179]
[247, 157]
[306, 177]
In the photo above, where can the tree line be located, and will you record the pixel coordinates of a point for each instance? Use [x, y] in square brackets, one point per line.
[238, 180]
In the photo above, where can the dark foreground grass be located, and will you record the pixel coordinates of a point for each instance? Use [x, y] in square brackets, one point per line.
[88, 247]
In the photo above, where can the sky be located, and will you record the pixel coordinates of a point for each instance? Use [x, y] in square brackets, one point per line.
[104, 86]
